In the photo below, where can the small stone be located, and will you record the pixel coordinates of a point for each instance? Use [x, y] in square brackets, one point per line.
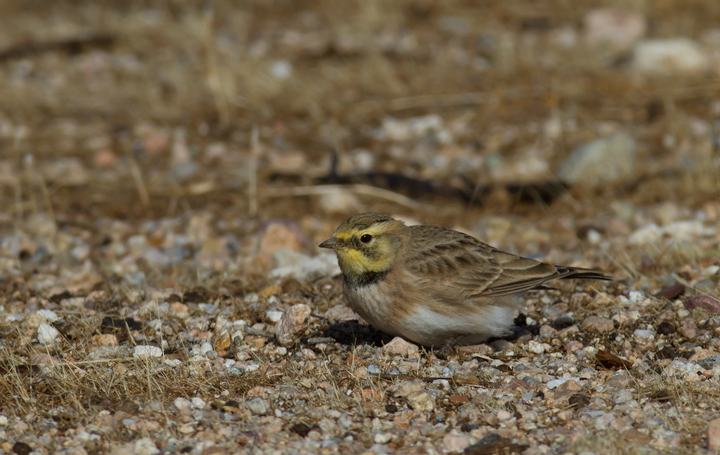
[604, 421]
[621, 380]
[401, 347]
[105, 158]
[621, 396]
[573, 346]
[49, 315]
[374, 369]
[455, 443]
[558, 382]
[566, 415]
[669, 56]
[198, 403]
[292, 324]
[535, 347]
[645, 335]
[382, 438]
[147, 351]
[183, 405]
[689, 329]
[145, 446]
[666, 328]
[421, 401]
[601, 161]
[281, 69]
[274, 315]
[702, 302]
[223, 341]
[258, 406]
[597, 324]
[504, 415]
[714, 435]
[47, 334]
[21, 448]
[106, 339]
[502, 345]
[341, 313]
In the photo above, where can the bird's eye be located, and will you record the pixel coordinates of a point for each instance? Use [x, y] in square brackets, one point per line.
[366, 238]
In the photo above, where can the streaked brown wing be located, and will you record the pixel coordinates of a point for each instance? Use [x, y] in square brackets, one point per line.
[463, 267]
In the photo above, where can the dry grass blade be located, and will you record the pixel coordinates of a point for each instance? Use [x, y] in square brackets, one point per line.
[458, 99]
[364, 190]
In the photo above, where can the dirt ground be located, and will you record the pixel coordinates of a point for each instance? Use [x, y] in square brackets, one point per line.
[167, 170]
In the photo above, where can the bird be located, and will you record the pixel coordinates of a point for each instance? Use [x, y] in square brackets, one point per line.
[435, 286]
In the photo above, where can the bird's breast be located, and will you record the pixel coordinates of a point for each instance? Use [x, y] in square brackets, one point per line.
[374, 303]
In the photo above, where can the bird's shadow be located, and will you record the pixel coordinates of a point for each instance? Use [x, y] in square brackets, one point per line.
[353, 334]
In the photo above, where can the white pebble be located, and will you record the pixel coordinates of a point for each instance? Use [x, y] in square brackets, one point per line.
[644, 334]
[273, 315]
[47, 334]
[50, 315]
[145, 446]
[535, 347]
[560, 381]
[198, 403]
[146, 351]
[382, 438]
[594, 237]
[182, 404]
[636, 296]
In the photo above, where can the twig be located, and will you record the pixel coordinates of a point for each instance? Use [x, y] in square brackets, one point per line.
[458, 99]
[356, 188]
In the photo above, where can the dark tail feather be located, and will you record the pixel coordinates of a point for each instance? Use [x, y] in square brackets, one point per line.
[573, 273]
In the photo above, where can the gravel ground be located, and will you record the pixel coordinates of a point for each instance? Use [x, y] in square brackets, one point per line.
[166, 173]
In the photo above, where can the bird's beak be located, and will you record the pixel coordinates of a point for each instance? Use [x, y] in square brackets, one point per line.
[332, 243]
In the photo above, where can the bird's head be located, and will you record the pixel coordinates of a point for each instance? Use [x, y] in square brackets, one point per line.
[367, 243]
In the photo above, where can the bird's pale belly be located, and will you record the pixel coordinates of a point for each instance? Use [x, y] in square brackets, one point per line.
[421, 323]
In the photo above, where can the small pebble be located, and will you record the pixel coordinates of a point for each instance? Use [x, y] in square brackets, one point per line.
[47, 334]
[641, 334]
[145, 446]
[597, 324]
[258, 406]
[401, 347]
[146, 351]
[689, 329]
[293, 324]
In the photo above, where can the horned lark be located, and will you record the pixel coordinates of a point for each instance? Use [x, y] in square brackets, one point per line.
[432, 285]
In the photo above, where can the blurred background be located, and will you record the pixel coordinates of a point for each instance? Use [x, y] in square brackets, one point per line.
[185, 128]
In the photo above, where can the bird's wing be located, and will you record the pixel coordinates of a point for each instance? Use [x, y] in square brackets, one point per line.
[462, 267]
